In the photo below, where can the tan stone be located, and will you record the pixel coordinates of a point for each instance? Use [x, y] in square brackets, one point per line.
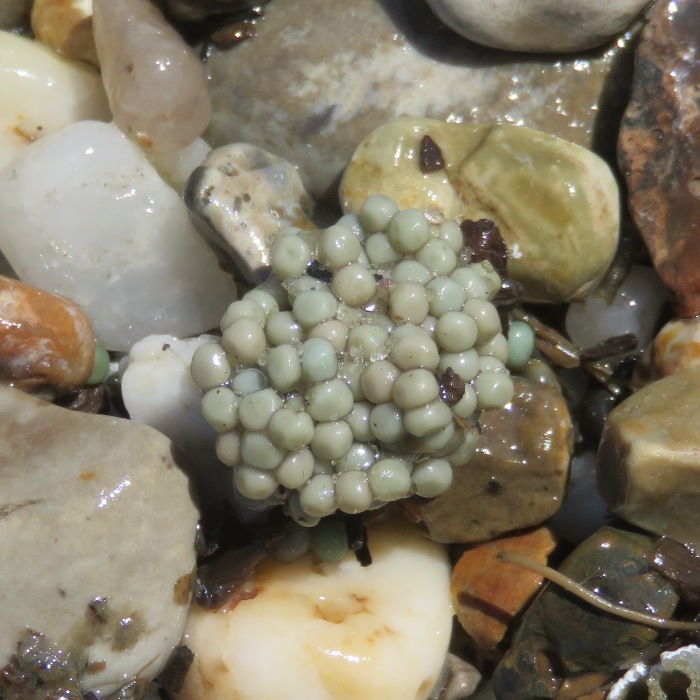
[556, 203]
[488, 594]
[649, 458]
[66, 27]
[46, 339]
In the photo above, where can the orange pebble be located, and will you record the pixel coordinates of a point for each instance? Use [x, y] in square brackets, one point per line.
[44, 338]
[487, 594]
[677, 346]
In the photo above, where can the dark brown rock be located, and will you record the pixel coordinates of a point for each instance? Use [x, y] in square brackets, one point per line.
[659, 147]
[561, 639]
[518, 475]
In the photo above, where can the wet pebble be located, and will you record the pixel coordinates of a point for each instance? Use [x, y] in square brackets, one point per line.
[46, 340]
[561, 228]
[649, 458]
[99, 525]
[132, 259]
[518, 475]
[561, 637]
[241, 197]
[539, 26]
[488, 594]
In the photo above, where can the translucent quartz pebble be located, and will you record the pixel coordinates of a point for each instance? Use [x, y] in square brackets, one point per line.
[48, 92]
[99, 226]
[156, 84]
[330, 631]
[93, 505]
[635, 309]
[158, 390]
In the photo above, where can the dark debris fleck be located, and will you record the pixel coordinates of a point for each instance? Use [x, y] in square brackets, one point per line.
[431, 158]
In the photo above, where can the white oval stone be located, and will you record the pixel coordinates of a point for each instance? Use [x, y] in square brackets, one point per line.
[48, 93]
[99, 226]
[330, 631]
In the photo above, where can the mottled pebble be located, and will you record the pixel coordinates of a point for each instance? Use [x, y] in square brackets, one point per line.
[241, 197]
[46, 339]
[676, 347]
[659, 147]
[66, 27]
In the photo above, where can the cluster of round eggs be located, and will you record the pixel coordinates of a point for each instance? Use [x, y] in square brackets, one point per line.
[352, 375]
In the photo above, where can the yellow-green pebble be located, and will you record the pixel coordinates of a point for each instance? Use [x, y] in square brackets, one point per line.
[521, 344]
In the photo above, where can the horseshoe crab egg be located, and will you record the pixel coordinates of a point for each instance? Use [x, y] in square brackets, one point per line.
[353, 375]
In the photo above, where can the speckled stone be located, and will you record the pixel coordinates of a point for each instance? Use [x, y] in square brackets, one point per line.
[518, 475]
[659, 147]
[319, 77]
[649, 458]
[676, 347]
[92, 507]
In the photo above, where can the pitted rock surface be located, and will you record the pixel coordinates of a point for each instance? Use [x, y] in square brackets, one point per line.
[659, 147]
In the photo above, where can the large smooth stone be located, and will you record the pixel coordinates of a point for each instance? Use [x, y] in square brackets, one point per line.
[538, 25]
[48, 93]
[84, 214]
[555, 203]
[92, 507]
[318, 77]
[561, 637]
[518, 475]
[329, 631]
[659, 147]
[649, 458]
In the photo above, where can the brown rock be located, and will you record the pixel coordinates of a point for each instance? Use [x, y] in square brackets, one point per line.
[488, 594]
[46, 339]
[66, 27]
[518, 475]
[659, 147]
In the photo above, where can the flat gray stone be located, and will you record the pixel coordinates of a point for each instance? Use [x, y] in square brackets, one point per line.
[92, 507]
[318, 77]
